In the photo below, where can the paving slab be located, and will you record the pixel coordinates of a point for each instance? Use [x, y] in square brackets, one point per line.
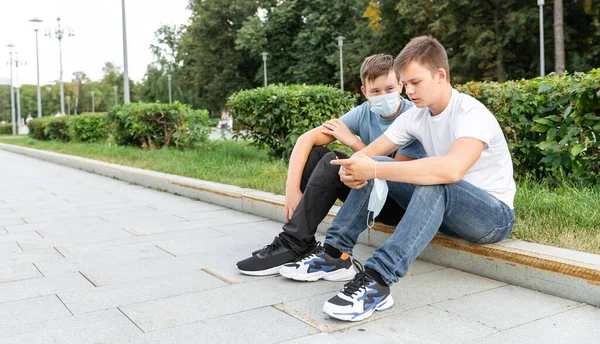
[30, 311]
[506, 307]
[35, 287]
[107, 326]
[10, 271]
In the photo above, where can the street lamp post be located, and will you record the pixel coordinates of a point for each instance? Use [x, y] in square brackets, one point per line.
[341, 44]
[69, 105]
[18, 87]
[59, 34]
[12, 91]
[93, 108]
[115, 88]
[169, 79]
[37, 22]
[542, 67]
[125, 69]
[264, 57]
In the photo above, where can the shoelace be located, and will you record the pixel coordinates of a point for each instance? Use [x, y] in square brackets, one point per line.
[359, 282]
[317, 249]
[274, 246]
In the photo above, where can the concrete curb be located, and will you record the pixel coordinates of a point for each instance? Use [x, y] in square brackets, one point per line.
[565, 273]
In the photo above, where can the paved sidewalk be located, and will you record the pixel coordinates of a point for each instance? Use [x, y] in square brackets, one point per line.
[87, 259]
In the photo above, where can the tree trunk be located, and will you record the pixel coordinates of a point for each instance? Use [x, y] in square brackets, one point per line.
[559, 38]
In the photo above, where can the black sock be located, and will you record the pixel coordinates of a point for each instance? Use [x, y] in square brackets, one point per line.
[376, 276]
[332, 251]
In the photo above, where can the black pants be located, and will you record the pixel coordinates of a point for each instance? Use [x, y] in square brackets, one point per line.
[321, 187]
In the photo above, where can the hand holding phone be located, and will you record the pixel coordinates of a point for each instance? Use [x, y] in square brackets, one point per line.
[340, 154]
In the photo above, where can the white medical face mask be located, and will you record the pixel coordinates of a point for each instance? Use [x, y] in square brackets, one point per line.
[386, 104]
[377, 199]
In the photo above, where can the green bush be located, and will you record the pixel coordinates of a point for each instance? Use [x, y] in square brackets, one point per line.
[57, 128]
[551, 123]
[5, 129]
[37, 128]
[89, 127]
[275, 116]
[152, 125]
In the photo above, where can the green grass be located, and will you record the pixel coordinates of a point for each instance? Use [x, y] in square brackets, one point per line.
[560, 215]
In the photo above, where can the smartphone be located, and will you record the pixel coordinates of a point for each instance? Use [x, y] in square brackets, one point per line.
[340, 154]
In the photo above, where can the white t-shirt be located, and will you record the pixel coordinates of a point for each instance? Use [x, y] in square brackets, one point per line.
[464, 116]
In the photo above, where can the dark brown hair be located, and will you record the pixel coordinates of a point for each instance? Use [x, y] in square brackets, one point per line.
[426, 51]
[375, 66]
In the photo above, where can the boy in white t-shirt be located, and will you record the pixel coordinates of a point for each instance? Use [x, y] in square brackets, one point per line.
[465, 186]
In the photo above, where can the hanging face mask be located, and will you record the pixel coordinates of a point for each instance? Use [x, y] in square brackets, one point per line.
[386, 104]
[376, 200]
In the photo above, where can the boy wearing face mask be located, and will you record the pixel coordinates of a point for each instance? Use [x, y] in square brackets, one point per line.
[313, 184]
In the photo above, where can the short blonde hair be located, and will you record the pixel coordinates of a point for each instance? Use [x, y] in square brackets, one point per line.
[375, 66]
[425, 50]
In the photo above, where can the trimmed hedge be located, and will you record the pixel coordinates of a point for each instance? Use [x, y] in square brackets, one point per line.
[155, 125]
[36, 128]
[89, 127]
[57, 128]
[551, 123]
[5, 129]
[275, 116]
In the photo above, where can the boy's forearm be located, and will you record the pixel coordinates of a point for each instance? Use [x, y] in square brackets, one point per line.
[426, 171]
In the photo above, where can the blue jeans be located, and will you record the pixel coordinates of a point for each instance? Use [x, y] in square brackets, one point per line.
[459, 209]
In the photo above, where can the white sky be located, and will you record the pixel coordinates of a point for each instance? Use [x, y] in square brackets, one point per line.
[98, 36]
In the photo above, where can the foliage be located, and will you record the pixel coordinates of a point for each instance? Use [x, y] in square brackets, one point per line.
[152, 125]
[551, 123]
[57, 128]
[37, 128]
[5, 129]
[275, 116]
[89, 127]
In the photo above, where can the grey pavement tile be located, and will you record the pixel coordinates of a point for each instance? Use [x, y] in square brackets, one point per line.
[32, 256]
[577, 326]
[77, 238]
[122, 294]
[10, 271]
[411, 292]
[34, 287]
[179, 310]
[82, 212]
[10, 221]
[126, 220]
[107, 326]
[70, 223]
[184, 207]
[18, 236]
[421, 325]
[148, 229]
[222, 217]
[9, 248]
[3, 231]
[507, 306]
[5, 211]
[253, 326]
[30, 311]
[90, 257]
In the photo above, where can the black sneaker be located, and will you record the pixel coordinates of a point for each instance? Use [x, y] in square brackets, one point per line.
[319, 265]
[359, 299]
[268, 260]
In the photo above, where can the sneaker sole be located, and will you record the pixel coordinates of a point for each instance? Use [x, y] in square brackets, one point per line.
[267, 272]
[385, 304]
[335, 276]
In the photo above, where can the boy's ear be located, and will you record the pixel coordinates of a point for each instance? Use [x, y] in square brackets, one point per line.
[364, 91]
[442, 76]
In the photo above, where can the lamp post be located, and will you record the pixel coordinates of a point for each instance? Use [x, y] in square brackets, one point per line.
[264, 57]
[542, 67]
[69, 105]
[125, 69]
[169, 79]
[115, 88]
[12, 91]
[341, 44]
[18, 87]
[93, 108]
[37, 22]
[59, 34]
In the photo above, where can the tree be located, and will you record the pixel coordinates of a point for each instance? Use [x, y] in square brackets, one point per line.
[559, 38]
